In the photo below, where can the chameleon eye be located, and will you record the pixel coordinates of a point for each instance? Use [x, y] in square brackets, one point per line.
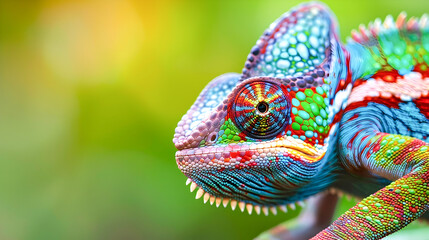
[261, 109]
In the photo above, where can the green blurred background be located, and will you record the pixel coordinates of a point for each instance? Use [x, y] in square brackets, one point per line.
[90, 94]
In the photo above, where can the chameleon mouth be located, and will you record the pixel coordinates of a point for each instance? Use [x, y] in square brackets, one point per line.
[241, 155]
[239, 160]
[207, 197]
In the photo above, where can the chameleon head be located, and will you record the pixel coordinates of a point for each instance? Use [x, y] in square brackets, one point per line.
[259, 138]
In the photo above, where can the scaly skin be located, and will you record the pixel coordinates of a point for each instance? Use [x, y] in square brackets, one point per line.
[308, 113]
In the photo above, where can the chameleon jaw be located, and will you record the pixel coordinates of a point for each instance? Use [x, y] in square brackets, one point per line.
[207, 197]
[244, 165]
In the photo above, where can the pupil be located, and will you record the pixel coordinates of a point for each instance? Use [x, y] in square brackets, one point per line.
[262, 107]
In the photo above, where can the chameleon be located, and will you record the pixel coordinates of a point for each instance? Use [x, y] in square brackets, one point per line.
[308, 116]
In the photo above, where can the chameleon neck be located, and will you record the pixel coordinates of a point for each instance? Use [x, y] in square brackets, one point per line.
[349, 63]
[362, 64]
[353, 61]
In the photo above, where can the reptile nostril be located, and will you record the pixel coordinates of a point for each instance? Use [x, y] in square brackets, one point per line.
[212, 137]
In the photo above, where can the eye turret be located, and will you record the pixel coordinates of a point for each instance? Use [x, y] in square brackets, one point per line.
[261, 109]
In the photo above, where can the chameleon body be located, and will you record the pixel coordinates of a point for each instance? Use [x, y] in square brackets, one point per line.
[309, 113]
